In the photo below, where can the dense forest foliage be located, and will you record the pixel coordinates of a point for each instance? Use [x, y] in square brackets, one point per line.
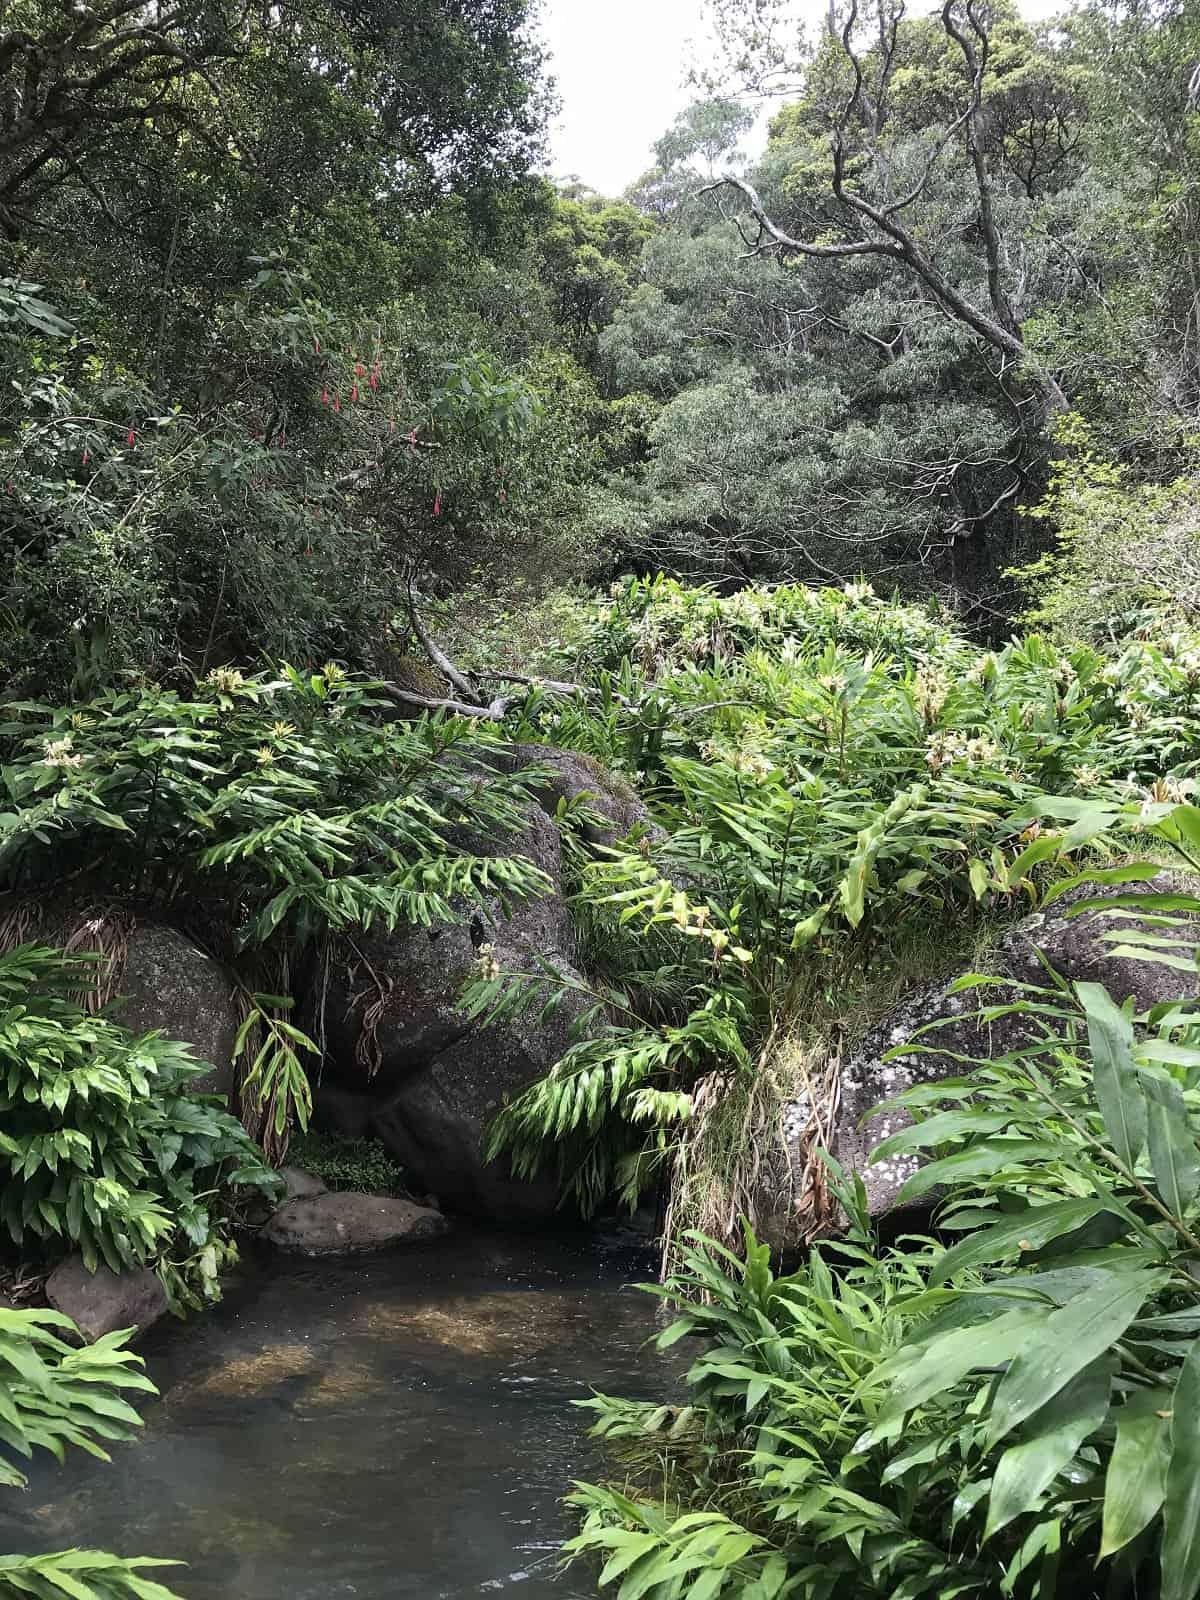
[841, 501]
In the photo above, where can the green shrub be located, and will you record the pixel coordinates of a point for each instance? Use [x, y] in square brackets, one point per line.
[999, 1417]
[284, 799]
[53, 1395]
[839, 780]
[101, 1145]
[1127, 554]
[362, 1165]
[268, 809]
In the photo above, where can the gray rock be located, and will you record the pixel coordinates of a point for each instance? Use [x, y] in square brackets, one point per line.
[301, 1185]
[1074, 947]
[347, 1224]
[100, 1302]
[573, 776]
[170, 984]
[160, 980]
[436, 1079]
[436, 1119]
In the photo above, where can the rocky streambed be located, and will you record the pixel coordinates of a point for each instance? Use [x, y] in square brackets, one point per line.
[385, 1426]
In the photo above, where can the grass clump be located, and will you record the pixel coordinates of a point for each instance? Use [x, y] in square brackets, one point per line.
[361, 1165]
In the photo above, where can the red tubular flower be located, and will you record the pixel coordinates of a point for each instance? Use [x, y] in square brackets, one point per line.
[316, 344]
[130, 437]
[359, 370]
[354, 391]
[85, 456]
[337, 402]
[324, 397]
[437, 504]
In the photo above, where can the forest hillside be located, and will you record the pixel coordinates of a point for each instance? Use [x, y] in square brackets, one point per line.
[685, 703]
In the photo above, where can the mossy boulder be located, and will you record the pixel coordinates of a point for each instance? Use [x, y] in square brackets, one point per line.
[569, 775]
[434, 1078]
[1074, 946]
[149, 975]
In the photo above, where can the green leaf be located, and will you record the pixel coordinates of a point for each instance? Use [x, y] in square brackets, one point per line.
[1067, 1340]
[979, 1160]
[1030, 1229]
[1040, 850]
[1173, 1153]
[1110, 1034]
[1136, 1479]
[1132, 872]
[1026, 1470]
[917, 1373]
[1181, 1504]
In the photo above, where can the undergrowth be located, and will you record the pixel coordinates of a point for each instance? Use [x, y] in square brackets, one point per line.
[265, 813]
[53, 1395]
[1012, 1414]
[104, 1148]
[846, 791]
[362, 1165]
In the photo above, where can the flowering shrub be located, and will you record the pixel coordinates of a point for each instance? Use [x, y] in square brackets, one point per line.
[838, 779]
[660, 624]
[270, 809]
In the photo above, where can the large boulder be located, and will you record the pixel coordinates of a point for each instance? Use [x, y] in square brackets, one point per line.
[1074, 947]
[100, 1302]
[331, 1224]
[569, 775]
[152, 976]
[435, 1120]
[170, 984]
[394, 1031]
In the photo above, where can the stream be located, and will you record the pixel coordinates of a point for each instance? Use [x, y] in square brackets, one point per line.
[393, 1426]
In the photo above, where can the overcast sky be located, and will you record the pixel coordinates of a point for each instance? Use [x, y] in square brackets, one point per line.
[620, 67]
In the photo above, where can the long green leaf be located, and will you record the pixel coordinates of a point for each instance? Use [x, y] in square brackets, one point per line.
[1137, 1469]
[1026, 1470]
[1110, 1034]
[917, 1374]
[1069, 1339]
[1181, 1505]
[1173, 1152]
[1028, 1230]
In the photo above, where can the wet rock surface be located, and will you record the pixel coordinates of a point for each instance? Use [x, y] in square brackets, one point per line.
[102, 1301]
[330, 1224]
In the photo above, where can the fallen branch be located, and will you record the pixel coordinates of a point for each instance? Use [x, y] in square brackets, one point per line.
[554, 686]
[496, 712]
[434, 651]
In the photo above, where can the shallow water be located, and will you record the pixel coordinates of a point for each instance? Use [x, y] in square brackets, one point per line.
[396, 1426]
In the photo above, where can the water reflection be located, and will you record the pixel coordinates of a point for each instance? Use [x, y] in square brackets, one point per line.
[394, 1426]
